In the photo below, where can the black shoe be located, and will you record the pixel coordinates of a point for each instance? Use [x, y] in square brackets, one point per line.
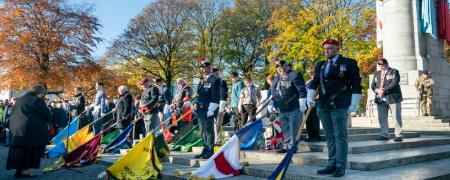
[201, 154]
[282, 151]
[312, 140]
[19, 175]
[339, 172]
[207, 156]
[381, 138]
[398, 139]
[327, 170]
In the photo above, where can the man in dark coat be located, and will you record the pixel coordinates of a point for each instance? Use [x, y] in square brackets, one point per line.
[124, 107]
[59, 118]
[30, 132]
[339, 94]
[163, 102]
[386, 86]
[149, 101]
[178, 105]
[78, 107]
[109, 106]
[207, 108]
[222, 103]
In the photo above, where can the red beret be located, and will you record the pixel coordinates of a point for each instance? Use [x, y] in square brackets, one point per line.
[330, 41]
[15, 98]
[142, 81]
[186, 99]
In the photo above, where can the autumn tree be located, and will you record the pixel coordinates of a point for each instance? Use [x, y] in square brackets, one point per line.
[245, 31]
[155, 43]
[46, 41]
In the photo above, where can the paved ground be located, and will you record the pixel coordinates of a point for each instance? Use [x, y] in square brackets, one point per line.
[89, 172]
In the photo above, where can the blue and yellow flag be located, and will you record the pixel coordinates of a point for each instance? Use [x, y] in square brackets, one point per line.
[124, 140]
[63, 134]
[141, 162]
[279, 173]
[75, 140]
[252, 136]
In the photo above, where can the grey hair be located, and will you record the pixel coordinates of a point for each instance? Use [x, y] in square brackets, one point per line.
[124, 88]
[38, 89]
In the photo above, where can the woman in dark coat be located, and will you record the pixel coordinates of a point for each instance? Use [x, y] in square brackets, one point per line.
[29, 129]
[123, 108]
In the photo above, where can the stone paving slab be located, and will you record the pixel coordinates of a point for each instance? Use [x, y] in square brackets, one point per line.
[369, 136]
[405, 118]
[405, 124]
[356, 147]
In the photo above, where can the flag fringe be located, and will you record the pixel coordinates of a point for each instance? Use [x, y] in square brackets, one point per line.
[58, 164]
[245, 163]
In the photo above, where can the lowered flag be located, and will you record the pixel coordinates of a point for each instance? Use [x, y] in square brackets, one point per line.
[278, 135]
[141, 162]
[251, 136]
[111, 136]
[161, 147]
[63, 134]
[279, 173]
[124, 140]
[83, 155]
[74, 141]
[192, 138]
[224, 163]
[181, 133]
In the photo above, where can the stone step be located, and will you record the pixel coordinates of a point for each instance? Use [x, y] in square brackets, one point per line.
[364, 162]
[169, 169]
[421, 130]
[406, 121]
[358, 147]
[405, 124]
[259, 169]
[369, 136]
[405, 118]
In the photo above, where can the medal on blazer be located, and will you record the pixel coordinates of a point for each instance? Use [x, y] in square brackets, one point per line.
[343, 67]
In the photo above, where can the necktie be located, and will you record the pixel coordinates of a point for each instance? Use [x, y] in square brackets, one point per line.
[382, 80]
[330, 63]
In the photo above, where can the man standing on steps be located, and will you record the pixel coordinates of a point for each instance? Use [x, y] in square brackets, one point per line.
[236, 89]
[223, 102]
[339, 94]
[424, 86]
[289, 98]
[99, 108]
[208, 101]
[147, 107]
[388, 95]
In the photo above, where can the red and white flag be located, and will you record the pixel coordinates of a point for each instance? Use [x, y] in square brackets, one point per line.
[379, 9]
[224, 163]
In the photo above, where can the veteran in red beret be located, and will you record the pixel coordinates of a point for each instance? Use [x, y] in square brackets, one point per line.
[339, 94]
[149, 100]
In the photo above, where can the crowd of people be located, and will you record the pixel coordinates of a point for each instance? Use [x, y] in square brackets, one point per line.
[28, 120]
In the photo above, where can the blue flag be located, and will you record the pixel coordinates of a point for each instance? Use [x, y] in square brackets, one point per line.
[251, 136]
[63, 134]
[124, 140]
[279, 173]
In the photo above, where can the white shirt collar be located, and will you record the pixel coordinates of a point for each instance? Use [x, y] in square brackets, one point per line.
[335, 58]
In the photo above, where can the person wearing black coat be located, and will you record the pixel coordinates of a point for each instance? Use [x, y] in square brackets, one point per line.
[123, 108]
[148, 102]
[78, 108]
[59, 119]
[30, 132]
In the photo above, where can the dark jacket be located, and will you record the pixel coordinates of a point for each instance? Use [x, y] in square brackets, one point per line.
[123, 108]
[336, 80]
[164, 98]
[29, 121]
[180, 94]
[290, 89]
[59, 117]
[223, 90]
[78, 106]
[150, 97]
[208, 92]
[391, 85]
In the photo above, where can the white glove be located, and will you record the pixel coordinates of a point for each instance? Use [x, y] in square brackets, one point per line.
[222, 105]
[166, 108]
[354, 103]
[212, 107]
[303, 105]
[310, 96]
[187, 103]
[271, 108]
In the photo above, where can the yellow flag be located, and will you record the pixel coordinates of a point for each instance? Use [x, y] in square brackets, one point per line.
[141, 162]
[79, 138]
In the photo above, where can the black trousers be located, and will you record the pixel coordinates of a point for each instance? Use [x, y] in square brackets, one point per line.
[238, 121]
[207, 131]
[313, 124]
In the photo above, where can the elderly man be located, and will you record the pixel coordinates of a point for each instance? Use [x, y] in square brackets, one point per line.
[124, 107]
[182, 92]
[99, 107]
[149, 101]
[289, 98]
[339, 94]
[388, 97]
